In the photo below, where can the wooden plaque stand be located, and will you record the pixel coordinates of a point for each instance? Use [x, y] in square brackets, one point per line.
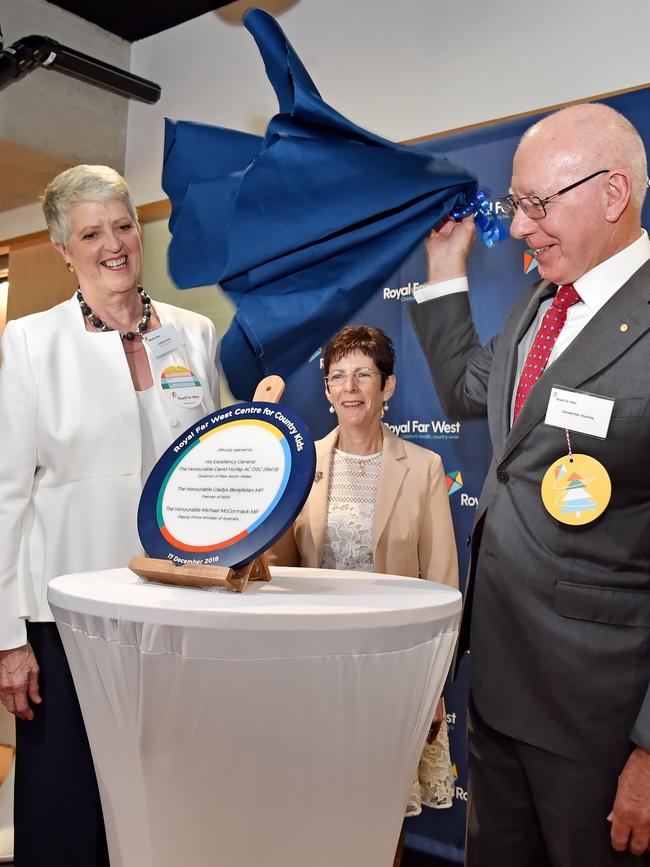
[270, 390]
[200, 574]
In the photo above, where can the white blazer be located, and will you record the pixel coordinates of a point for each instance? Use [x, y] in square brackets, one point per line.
[71, 449]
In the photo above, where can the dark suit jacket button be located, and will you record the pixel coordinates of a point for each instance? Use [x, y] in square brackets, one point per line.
[503, 477]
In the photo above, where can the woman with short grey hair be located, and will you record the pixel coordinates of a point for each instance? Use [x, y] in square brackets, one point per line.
[91, 393]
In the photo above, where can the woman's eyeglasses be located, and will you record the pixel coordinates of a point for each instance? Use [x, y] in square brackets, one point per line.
[364, 376]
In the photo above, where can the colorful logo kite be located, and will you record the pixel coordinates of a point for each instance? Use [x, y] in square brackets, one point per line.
[454, 481]
[530, 262]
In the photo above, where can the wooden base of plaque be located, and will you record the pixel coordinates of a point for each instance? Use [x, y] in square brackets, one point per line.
[200, 574]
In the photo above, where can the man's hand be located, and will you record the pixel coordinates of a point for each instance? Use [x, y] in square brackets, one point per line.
[19, 681]
[630, 816]
[448, 248]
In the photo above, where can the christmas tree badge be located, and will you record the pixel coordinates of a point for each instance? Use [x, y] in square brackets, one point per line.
[576, 489]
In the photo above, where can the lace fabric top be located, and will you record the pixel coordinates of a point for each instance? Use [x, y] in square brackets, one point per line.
[434, 783]
[354, 482]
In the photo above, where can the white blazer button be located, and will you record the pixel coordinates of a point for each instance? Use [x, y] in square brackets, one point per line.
[174, 422]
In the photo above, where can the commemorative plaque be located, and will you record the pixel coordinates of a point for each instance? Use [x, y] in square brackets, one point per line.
[223, 493]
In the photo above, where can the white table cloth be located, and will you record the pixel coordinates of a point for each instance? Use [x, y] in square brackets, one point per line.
[280, 727]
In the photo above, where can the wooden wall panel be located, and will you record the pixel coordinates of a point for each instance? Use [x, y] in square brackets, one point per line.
[24, 173]
[38, 279]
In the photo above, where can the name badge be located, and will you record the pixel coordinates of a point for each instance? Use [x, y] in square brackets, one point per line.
[163, 340]
[579, 411]
[181, 385]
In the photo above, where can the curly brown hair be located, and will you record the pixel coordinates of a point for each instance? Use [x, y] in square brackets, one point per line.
[367, 339]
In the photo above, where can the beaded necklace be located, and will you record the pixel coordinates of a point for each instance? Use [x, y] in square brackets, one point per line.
[97, 323]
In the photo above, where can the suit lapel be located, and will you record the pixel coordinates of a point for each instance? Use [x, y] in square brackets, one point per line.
[393, 470]
[318, 496]
[597, 346]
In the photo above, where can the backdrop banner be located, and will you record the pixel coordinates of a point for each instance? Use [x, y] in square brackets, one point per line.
[496, 277]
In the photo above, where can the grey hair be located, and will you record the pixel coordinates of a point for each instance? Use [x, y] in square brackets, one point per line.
[81, 184]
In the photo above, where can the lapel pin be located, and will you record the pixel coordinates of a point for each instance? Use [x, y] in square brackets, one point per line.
[318, 475]
[623, 327]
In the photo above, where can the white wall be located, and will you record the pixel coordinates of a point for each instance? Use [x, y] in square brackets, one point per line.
[403, 68]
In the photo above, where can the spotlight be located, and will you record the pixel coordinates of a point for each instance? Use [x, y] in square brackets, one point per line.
[33, 51]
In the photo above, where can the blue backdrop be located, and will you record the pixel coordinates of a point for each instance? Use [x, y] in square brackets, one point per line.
[496, 276]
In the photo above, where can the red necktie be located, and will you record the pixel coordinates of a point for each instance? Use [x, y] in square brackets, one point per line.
[544, 341]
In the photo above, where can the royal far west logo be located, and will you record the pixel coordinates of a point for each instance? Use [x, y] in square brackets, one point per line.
[434, 429]
[454, 481]
[530, 262]
[399, 293]
[459, 792]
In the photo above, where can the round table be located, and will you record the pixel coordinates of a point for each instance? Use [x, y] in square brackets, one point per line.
[279, 727]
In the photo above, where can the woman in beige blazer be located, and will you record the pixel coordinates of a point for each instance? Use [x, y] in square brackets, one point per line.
[378, 503]
[412, 533]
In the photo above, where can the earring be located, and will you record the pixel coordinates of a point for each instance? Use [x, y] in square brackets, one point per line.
[384, 408]
[70, 267]
[332, 410]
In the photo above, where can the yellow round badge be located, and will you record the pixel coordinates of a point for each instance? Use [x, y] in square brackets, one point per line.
[576, 489]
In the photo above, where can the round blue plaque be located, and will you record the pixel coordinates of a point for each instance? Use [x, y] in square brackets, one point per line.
[228, 487]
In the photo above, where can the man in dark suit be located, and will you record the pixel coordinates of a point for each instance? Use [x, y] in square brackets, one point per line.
[557, 615]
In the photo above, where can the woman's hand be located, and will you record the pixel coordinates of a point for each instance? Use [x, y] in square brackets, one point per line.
[448, 248]
[19, 681]
[436, 722]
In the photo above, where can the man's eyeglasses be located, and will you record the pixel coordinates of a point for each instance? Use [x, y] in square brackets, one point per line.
[534, 207]
[364, 376]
